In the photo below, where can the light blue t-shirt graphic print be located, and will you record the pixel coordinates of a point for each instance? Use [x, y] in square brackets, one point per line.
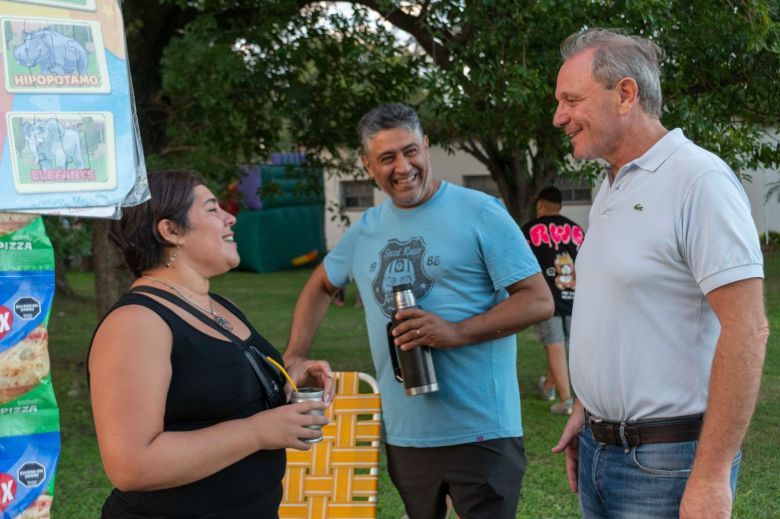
[401, 262]
[459, 250]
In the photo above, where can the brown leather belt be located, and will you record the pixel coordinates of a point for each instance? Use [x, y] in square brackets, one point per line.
[655, 430]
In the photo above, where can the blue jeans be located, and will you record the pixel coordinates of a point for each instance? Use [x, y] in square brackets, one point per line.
[647, 481]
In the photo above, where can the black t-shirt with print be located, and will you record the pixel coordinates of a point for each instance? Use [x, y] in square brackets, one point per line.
[555, 241]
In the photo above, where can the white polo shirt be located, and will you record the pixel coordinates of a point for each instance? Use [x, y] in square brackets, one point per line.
[674, 225]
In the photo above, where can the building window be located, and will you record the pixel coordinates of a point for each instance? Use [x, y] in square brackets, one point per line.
[357, 194]
[481, 183]
[574, 190]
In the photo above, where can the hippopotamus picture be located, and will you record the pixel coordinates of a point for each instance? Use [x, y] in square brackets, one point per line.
[55, 53]
[52, 145]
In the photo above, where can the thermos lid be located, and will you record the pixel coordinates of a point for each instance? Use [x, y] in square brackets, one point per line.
[403, 297]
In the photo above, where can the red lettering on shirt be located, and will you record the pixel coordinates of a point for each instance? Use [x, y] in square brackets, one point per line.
[539, 235]
[560, 233]
[556, 234]
[577, 236]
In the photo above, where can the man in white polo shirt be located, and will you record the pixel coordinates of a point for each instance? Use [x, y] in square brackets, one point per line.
[668, 328]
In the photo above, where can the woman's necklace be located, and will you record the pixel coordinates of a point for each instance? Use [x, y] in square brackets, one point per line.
[221, 321]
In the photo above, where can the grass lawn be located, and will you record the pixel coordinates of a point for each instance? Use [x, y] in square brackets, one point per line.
[268, 300]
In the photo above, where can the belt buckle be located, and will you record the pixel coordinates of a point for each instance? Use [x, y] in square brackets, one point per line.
[594, 419]
[602, 432]
[605, 432]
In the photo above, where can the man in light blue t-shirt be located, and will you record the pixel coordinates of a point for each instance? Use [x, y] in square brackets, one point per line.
[476, 283]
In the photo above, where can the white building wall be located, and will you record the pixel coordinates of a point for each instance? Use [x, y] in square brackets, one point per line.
[765, 214]
[453, 167]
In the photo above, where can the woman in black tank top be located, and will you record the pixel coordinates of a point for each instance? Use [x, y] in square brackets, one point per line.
[188, 409]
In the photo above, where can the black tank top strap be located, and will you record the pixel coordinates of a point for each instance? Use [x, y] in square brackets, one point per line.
[189, 308]
[227, 303]
[131, 298]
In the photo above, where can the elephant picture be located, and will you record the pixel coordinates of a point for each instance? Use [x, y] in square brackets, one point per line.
[52, 145]
[62, 151]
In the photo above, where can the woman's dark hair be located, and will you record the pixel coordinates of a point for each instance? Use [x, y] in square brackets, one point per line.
[135, 235]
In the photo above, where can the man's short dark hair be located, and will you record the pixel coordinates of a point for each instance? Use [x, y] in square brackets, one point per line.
[550, 194]
[387, 117]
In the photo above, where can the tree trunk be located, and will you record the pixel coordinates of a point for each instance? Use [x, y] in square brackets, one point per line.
[149, 27]
[111, 276]
[518, 187]
[61, 283]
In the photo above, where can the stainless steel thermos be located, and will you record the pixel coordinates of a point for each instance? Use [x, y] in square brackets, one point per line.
[412, 367]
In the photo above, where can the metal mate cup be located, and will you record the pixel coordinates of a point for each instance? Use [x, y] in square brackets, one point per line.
[305, 394]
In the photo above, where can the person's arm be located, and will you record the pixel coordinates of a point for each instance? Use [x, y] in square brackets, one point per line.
[310, 309]
[130, 374]
[529, 302]
[570, 444]
[733, 390]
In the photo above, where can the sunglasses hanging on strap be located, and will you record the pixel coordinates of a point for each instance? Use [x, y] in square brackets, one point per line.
[268, 375]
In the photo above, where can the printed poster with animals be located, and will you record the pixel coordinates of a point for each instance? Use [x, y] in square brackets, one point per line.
[69, 145]
[68, 132]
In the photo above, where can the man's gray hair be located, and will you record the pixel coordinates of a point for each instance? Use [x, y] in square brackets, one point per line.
[618, 56]
[387, 117]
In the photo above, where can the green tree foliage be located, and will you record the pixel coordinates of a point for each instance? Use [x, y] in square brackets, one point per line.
[296, 80]
[246, 77]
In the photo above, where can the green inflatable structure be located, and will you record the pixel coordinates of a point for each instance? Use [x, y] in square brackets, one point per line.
[282, 223]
